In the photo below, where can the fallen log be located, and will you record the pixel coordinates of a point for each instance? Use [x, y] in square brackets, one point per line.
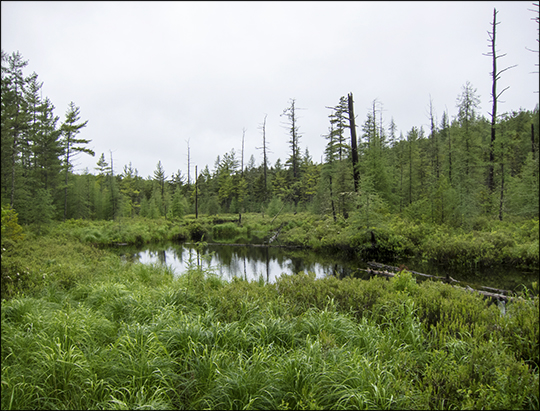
[275, 236]
[390, 267]
[505, 292]
[494, 296]
[376, 272]
[501, 296]
[254, 245]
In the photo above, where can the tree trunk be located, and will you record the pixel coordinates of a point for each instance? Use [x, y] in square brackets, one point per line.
[502, 193]
[332, 199]
[449, 156]
[495, 75]
[354, 148]
[532, 142]
[67, 173]
[196, 195]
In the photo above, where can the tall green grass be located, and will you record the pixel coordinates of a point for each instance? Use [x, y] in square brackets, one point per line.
[99, 333]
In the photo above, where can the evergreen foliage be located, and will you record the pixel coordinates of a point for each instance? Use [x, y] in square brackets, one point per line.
[82, 329]
[440, 176]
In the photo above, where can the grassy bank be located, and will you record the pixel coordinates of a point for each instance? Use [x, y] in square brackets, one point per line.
[83, 330]
[487, 243]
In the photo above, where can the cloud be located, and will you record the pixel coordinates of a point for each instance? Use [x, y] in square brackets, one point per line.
[151, 75]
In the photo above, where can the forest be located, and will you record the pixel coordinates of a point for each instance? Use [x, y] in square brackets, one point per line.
[458, 173]
[83, 328]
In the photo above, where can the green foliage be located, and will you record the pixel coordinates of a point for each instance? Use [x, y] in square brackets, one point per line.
[230, 232]
[92, 332]
[179, 205]
[212, 206]
[274, 207]
[81, 329]
[404, 281]
[11, 230]
[437, 177]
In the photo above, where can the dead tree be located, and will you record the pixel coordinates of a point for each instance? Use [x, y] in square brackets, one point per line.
[495, 75]
[264, 148]
[354, 149]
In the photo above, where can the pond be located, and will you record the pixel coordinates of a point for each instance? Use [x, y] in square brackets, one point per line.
[251, 262]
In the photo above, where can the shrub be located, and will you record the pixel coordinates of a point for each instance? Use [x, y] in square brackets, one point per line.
[11, 230]
[228, 231]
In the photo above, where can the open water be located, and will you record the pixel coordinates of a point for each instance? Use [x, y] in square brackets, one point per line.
[252, 262]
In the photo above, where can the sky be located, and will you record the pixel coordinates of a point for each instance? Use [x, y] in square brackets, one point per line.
[153, 78]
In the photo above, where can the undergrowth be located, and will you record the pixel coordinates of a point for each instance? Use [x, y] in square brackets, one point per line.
[81, 329]
[486, 243]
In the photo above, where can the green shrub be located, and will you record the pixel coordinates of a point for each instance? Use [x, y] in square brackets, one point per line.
[88, 331]
[228, 231]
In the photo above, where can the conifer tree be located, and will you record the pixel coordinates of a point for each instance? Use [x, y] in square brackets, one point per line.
[47, 148]
[160, 180]
[294, 159]
[72, 146]
[130, 189]
[15, 120]
[338, 121]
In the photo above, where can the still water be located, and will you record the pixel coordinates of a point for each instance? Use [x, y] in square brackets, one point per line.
[247, 262]
[254, 262]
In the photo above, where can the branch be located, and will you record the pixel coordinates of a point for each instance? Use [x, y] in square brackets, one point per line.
[498, 95]
[507, 68]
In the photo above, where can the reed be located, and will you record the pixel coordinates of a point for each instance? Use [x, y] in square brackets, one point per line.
[102, 333]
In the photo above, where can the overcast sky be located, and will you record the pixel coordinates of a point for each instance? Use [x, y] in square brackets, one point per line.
[149, 76]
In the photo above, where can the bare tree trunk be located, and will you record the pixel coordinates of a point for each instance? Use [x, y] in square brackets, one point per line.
[410, 172]
[67, 173]
[449, 156]
[188, 165]
[532, 142]
[242, 163]
[13, 162]
[112, 188]
[502, 193]
[354, 148]
[196, 195]
[332, 198]
[434, 140]
[495, 75]
[265, 163]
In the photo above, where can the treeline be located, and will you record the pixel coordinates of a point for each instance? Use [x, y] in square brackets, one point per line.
[441, 175]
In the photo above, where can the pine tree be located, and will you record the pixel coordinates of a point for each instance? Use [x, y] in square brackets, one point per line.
[103, 170]
[468, 103]
[48, 148]
[373, 151]
[15, 121]
[160, 180]
[339, 124]
[412, 158]
[179, 204]
[72, 146]
[131, 190]
[294, 159]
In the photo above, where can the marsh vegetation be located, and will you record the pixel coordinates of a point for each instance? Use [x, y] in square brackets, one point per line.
[83, 329]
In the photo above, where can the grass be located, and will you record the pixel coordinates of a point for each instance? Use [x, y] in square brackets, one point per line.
[81, 329]
[84, 330]
[486, 243]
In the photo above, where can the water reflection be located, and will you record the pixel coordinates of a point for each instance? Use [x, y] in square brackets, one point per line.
[252, 262]
[249, 263]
